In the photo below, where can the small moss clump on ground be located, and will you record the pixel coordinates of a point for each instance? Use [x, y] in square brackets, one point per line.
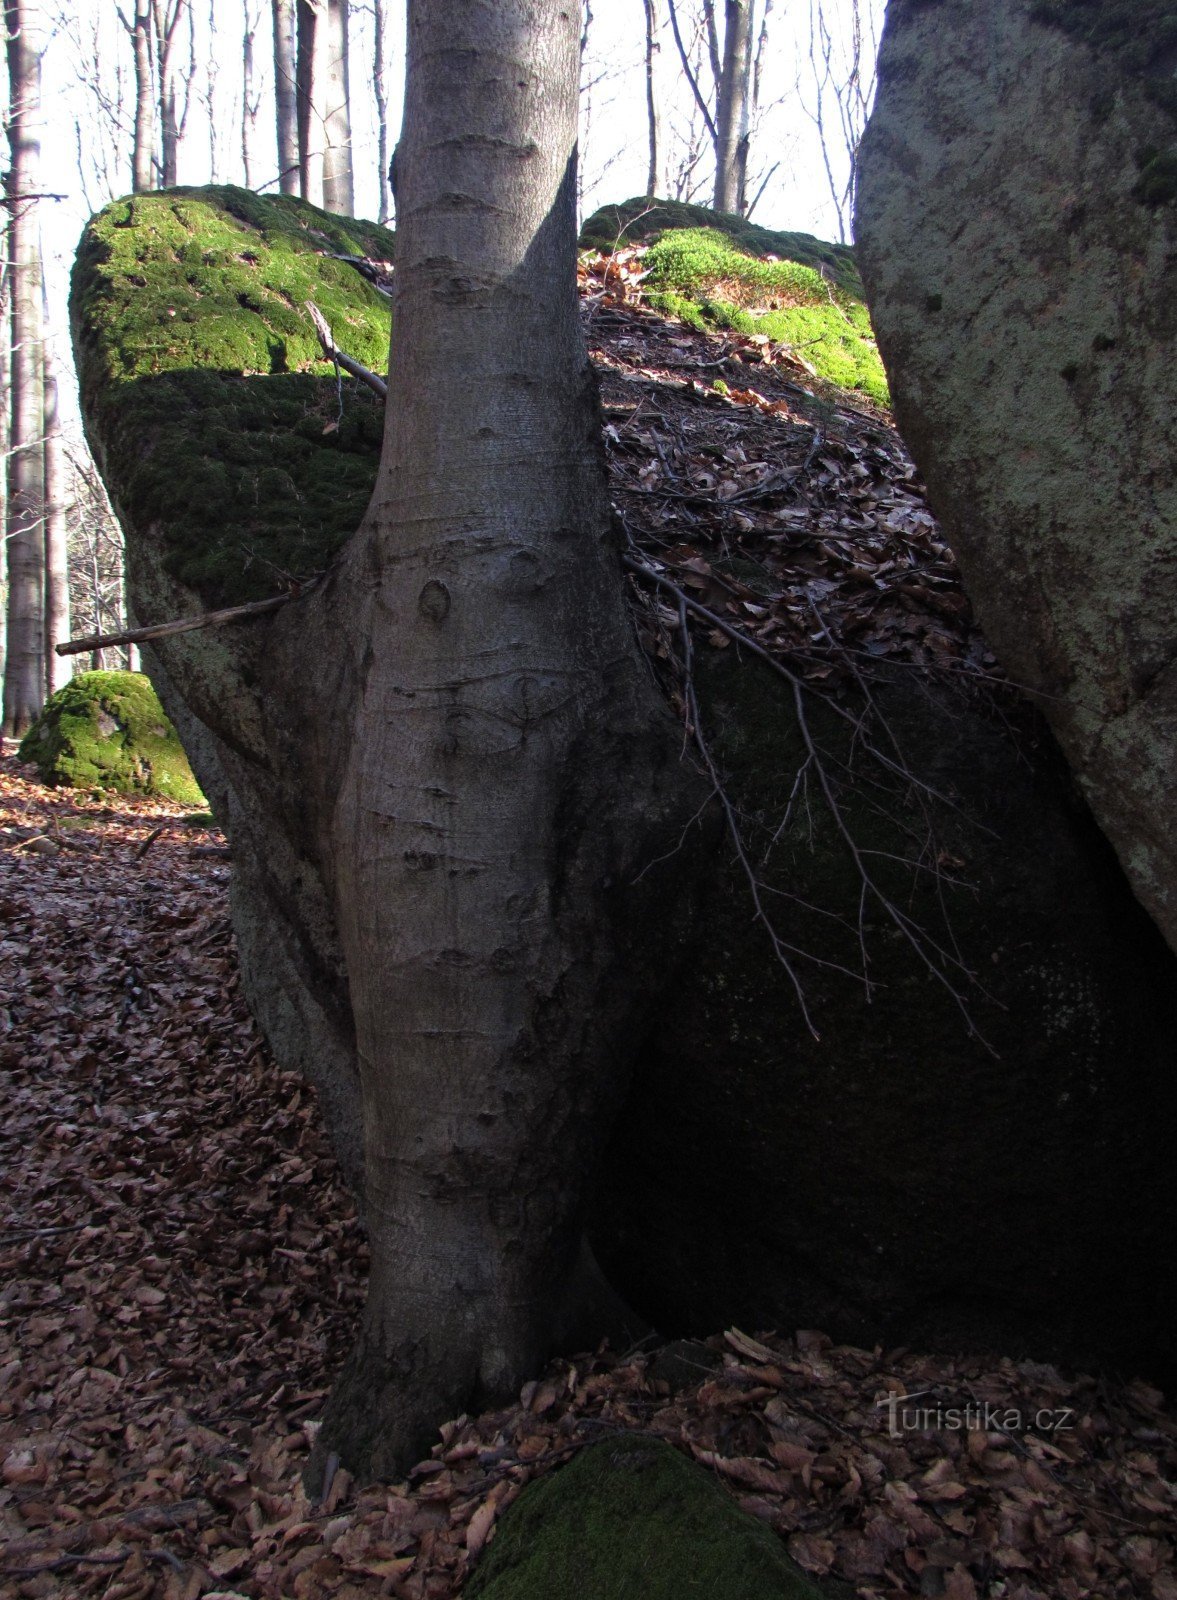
[631, 1519]
[703, 277]
[107, 730]
[212, 411]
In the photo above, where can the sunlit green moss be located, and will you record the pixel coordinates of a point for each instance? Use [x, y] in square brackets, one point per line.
[638, 221]
[210, 407]
[701, 276]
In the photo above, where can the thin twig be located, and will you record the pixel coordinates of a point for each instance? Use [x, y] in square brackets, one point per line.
[341, 359]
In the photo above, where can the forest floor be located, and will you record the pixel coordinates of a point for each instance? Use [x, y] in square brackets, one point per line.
[181, 1269]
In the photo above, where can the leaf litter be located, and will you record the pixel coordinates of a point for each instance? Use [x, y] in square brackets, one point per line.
[181, 1268]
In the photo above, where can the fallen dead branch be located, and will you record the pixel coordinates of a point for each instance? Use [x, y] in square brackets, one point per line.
[340, 357]
[166, 630]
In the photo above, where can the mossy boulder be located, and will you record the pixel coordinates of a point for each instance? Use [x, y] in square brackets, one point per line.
[632, 1519]
[108, 730]
[1020, 273]
[713, 271]
[207, 396]
[640, 221]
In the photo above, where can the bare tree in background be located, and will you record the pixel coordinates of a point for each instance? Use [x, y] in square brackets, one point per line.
[338, 181]
[167, 20]
[97, 599]
[324, 112]
[142, 150]
[102, 140]
[286, 97]
[842, 70]
[380, 93]
[656, 172]
[58, 669]
[733, 112]
[24, 666]
[311, 75]
[251, 91]
[733, 57]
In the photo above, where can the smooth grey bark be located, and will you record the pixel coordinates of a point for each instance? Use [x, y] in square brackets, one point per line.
[509, 771]
[142, 164]
[285, 96]
[338, 187]
[732, 110]
[58, 669]
[167, 18]
[311, 76]
[380, 94]
[655, 172]
[250, 94]
[24, 666]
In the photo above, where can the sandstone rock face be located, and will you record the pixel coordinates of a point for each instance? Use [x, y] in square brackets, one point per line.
[1016, 224]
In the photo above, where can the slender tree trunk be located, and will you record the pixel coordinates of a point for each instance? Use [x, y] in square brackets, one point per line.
[167, 17]
[731, 120]
[380, 93]
[24, 667]
[311, 75]
[338, 186]
[250, 93]
[5, 429]
[509, 770]
[57, 620]
[656, 171]
[142, 153]
[285, 96]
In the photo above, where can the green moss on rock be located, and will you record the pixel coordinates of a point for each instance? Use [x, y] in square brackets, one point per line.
[639, 221]
[631, 1518]
[704, 277]
[211, 409]
[107, 730]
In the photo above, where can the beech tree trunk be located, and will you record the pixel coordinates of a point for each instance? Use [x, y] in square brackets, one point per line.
[58, 669]
[285, 97]
[732, 111]
[509, 771]
[167, 17]
[312, 73]
[142, 150]
[655, 173]
[24, 667]
[338, 188]
[380, 94]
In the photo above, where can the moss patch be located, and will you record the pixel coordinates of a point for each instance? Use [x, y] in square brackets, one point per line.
[107, 730]
[703, 277]
[638, 221]
[631, 1517]
[203, 385]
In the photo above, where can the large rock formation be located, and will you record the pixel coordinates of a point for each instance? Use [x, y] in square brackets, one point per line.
[905, 1175]
[1017, 222]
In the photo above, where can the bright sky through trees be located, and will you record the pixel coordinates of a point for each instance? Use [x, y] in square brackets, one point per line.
[88, 98]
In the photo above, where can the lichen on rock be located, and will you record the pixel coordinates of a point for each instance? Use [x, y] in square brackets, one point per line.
[107, 730]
